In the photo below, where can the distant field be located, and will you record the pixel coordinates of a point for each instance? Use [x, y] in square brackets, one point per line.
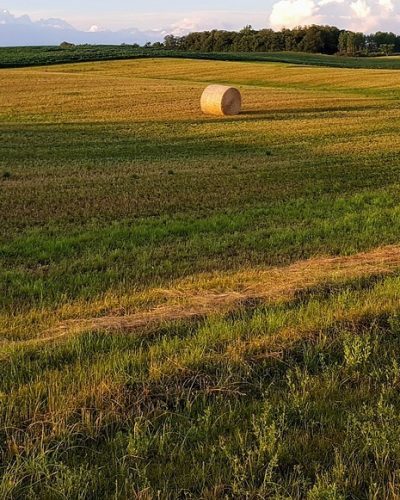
[161, 331]
[13, 57]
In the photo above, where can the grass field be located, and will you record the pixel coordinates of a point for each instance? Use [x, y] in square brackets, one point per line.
[199, 307]
[15, 57]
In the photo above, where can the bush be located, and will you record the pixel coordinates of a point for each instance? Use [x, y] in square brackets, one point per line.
[67, 45]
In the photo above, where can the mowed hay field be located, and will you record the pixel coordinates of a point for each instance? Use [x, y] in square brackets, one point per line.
[194, 306]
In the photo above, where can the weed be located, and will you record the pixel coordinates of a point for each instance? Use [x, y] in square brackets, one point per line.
[6, 175]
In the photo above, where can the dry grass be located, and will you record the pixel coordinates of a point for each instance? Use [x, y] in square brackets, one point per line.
[57, 132]
[131, 90]
[208, 295]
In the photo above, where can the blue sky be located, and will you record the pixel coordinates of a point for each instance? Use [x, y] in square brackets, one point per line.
[180, 16]
[147, 14]
[128, 5]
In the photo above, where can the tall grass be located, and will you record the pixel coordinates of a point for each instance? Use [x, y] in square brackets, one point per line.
[233, 406]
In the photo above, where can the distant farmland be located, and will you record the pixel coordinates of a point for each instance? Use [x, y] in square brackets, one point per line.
[14, 57]
[194, 306]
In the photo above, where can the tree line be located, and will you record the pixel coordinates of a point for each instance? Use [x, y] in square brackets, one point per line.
[313, 39]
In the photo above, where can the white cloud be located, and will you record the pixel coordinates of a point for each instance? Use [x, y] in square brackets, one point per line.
[209, 20]
[359, 15]
[322, 3]
[290, 13]
[360, 8]
[387, 4]
[186, 25]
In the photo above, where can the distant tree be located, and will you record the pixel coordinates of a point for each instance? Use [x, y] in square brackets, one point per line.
[387, 48]
[342, 44]
[352, 44]
[171, 42]
[224, 40]
[207, 41]
[293, 38]
[330, 36]
[383, 38]
[67, 45]
[246, 41]
[312, 40]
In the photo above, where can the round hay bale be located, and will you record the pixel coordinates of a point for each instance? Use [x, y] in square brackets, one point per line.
[221, 100]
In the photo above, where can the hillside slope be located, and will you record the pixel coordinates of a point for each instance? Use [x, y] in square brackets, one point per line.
[14, 57]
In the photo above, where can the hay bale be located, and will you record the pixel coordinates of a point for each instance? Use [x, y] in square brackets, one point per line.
[221, 100]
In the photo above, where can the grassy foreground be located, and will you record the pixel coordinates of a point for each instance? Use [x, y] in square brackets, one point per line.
[117, 196]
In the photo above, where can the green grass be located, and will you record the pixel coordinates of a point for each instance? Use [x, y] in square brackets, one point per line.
[14, 57]
[112, 184]
[102, 211]
[199, 410]
[46, 268]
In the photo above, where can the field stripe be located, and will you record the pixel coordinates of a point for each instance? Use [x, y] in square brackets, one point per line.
[198, 297]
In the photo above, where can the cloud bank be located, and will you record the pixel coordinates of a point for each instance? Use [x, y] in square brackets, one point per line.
[20, 31]
[357, 15]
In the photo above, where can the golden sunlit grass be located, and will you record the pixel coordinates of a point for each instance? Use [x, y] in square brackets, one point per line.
[133, 90]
